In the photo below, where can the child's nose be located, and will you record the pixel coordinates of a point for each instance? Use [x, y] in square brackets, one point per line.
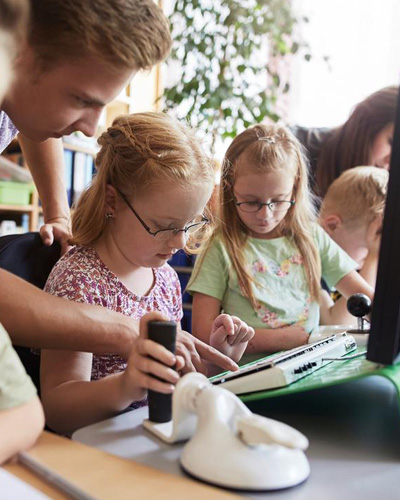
[178, 240]
[265, 212]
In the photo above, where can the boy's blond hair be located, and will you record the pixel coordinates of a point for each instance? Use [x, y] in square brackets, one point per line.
[357, 196]
[123, 33]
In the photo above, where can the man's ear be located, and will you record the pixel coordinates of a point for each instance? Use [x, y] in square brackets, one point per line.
[110, 203]
[331, 223]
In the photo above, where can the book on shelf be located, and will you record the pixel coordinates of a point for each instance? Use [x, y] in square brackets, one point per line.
[69, 162]
[78, 173]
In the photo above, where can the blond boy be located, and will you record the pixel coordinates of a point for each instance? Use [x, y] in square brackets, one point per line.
[352, 214]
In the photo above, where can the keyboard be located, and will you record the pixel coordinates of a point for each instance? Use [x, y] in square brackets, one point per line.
[286, 367]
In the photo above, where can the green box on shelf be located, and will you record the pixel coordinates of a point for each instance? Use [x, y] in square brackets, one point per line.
[15, 193]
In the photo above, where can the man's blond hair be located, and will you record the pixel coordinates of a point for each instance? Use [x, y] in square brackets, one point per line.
[124, 33]
[357, 196]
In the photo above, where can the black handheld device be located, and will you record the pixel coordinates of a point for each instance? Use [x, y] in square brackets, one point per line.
[160, 405]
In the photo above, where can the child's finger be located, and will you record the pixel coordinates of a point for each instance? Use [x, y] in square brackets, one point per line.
[227, 322]
[152, 367]
[241, 331]
[219, 336]
[151, 383]
[146, 347]
[180, 363]
[190, 348]
[244, 334]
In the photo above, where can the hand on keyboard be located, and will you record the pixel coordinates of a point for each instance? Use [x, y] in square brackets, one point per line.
[230, 335]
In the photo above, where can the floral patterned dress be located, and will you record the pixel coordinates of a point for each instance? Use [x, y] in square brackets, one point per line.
[82, 276]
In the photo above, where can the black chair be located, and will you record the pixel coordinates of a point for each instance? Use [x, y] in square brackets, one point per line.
[25, 256]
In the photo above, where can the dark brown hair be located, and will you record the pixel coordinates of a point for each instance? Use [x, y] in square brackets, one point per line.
[349, 145]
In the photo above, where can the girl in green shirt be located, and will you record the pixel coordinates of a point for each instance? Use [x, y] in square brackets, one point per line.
[266, 258]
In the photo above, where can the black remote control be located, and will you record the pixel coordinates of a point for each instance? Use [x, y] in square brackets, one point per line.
[160, 405]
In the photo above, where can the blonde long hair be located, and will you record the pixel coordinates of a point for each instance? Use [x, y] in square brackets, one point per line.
[268, 148]
[139, 151]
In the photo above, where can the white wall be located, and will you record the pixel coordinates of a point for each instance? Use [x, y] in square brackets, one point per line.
[363, 41]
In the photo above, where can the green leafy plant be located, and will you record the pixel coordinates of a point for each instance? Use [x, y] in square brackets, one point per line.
[226, 53]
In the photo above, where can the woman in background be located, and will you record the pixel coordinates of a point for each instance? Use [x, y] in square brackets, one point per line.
[364, 139]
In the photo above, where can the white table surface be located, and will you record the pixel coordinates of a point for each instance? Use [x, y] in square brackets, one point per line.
[353, 428]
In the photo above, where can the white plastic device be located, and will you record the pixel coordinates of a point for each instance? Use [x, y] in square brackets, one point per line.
[229, 446]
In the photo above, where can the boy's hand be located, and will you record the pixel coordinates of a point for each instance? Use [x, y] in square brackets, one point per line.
[230, 335]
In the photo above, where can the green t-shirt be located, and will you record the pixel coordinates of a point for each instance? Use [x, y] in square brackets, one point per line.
[16, 387]
[281, 288]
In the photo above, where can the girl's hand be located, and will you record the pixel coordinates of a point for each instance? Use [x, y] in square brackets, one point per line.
[198, 356]
[149, 360]
[230, 335]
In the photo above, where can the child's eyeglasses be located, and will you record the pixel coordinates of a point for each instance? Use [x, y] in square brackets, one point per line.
[274, 206]
[167, 233]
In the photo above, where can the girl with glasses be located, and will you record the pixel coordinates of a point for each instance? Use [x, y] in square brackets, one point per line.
[146, 201]
[265, 260]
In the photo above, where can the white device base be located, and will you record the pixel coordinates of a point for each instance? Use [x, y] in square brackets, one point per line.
[229, 446]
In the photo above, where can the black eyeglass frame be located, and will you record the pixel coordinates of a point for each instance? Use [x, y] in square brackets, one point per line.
[173, 230]
[267, 204]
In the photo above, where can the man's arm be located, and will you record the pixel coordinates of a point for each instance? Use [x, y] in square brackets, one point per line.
[46, 163]
[37, 319]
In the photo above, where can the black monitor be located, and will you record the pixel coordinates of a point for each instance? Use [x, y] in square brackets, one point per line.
[384, 338]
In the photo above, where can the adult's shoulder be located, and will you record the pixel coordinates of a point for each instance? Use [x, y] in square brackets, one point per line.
[312, 138]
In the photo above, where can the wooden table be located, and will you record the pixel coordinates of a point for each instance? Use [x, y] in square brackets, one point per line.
[107, 477]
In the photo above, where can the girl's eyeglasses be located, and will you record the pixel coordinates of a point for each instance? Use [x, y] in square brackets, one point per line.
[274, 206]
[167, 233]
